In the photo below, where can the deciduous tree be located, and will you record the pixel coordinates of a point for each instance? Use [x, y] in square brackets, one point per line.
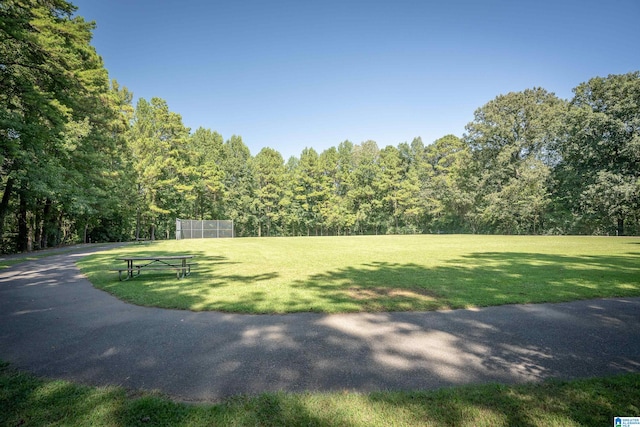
[52, 113]
[599, 176]
[514, 139]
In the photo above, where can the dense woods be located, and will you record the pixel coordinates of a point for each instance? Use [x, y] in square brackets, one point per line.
[80, 162]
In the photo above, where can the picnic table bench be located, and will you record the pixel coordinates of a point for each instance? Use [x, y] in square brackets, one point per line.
[178, 263]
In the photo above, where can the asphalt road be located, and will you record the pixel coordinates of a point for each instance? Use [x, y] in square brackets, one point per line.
[55, 324]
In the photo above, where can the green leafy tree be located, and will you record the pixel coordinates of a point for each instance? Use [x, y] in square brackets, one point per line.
[514, 139]
[336, 210]
[207, 174]
[598, 178]
[399, 190]
[452, 186]
[309, 190]
[343, 184]
[159, 145]
[387, 186]
[269, 174]
[291, 209]
[94, 168]
[364, 200]
[115, 215]
[419, 171]
[239, 186]
[331, 206]
[52, 116]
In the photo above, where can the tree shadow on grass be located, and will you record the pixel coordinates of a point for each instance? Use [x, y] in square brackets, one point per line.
[474, 280]
[585, 402]
[162, 288]
[29, 400]
[481, 279]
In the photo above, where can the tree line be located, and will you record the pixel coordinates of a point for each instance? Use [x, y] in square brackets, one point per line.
[78, 162]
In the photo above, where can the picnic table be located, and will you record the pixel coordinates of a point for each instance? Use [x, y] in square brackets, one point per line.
[137, 264]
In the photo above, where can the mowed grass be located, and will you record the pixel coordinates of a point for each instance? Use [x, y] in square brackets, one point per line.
[376, 273]
[31, 401]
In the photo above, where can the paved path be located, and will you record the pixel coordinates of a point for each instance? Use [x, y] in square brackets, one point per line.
[54, 323]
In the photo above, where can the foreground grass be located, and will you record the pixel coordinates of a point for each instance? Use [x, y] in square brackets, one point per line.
[377, 273]
[27, 400]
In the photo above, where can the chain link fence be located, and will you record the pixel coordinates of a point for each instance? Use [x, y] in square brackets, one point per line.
[203, 229]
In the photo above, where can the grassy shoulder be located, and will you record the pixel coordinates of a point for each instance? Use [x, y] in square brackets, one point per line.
[376, 273]
[7, 261]
[28, 400]
[11, 260]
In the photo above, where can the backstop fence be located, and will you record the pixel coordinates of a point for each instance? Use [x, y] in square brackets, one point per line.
[203, 229]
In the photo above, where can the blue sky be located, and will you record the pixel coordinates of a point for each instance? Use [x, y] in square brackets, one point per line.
[295, 74]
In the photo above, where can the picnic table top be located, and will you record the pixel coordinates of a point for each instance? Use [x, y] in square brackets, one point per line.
[160, 257]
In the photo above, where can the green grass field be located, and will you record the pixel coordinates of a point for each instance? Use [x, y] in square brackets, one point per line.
[30, 401]
[376, 273]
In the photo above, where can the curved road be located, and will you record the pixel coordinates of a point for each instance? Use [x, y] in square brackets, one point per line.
[55, 324]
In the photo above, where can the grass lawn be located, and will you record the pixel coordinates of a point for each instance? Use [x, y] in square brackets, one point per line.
[376, 273]
[28, 400]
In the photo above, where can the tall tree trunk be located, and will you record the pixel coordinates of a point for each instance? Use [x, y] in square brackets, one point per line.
[4, 204]
[23, 225]
[46, 224]
[620, 230]
[43, 224]
[39, 226]
[61, 231]
[137, 224]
